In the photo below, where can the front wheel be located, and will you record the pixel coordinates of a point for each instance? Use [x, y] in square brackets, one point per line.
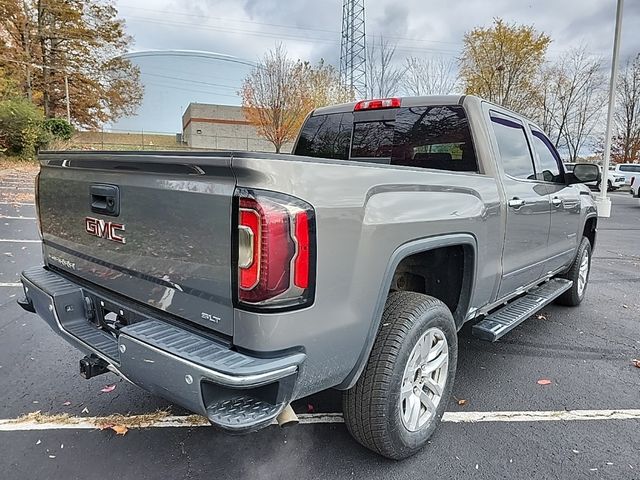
[403, 391]
[579, 274]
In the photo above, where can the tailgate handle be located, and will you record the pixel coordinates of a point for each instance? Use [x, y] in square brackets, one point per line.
[105, 199]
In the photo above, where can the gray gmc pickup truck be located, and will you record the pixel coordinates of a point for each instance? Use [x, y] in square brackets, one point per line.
[233, 283]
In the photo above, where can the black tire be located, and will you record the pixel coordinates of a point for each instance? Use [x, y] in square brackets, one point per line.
[372, 408]
[573, 296]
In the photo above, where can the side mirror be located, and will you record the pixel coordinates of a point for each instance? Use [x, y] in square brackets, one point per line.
[585, 173]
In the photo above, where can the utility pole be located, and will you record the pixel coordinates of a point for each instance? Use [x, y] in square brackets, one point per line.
[604, 203]
[66, 93]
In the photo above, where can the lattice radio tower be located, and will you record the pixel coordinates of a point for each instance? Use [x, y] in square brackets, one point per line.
[353, 52]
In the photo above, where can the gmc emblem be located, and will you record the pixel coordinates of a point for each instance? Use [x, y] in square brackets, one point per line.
[102, 229]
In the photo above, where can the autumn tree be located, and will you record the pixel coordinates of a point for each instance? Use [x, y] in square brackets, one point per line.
[383, 75]
[429, 76]
[44, 41]
[626, 144]
[279, 92]
[9, 87]
[500, 63]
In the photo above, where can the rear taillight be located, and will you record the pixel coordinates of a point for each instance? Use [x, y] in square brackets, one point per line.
[276, 250]
[377, 104]
[37, 201]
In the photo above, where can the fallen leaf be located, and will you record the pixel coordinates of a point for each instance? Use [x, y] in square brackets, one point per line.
[544, 381]
[38, 442]
[108, 388]
[462, 402]
[541, 317]
[120, 429]
[625, 306]
[636, 362]
[52, 456]
[66, 404]
[85, 410]
[310, 408]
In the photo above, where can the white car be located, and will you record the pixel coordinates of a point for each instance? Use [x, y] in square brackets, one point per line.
[615, 180]
[628, 170]
[635, 186]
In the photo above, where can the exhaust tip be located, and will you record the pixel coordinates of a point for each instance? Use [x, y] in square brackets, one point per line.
[287, 417]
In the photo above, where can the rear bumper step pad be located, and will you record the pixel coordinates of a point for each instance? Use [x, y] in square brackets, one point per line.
[237, 392]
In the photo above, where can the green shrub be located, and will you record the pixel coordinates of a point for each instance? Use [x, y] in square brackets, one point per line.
[59, 128]
[21, 128]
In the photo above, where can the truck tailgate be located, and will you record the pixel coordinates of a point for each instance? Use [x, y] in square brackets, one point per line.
[169, 243]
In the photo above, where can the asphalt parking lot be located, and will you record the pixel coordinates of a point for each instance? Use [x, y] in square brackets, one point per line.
[585, 352]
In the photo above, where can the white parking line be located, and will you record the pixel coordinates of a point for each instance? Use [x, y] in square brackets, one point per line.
[91, 423]
[10, 284]
[8, 217]
[9, 240]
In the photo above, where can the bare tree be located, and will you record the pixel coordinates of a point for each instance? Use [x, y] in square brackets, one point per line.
[585, 117]
[627, 142]
[383, 76]
[429, 76]
[279, 92]
[570, 99]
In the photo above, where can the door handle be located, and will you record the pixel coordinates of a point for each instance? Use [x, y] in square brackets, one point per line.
[556, 201]
[516, 203]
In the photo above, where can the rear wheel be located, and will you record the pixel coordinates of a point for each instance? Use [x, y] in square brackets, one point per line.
[402, 393]
[579, 274]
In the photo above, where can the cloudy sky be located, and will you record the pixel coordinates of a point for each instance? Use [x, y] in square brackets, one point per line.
[310, 29]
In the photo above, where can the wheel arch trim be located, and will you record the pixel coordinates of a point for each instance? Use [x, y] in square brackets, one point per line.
[402, 252]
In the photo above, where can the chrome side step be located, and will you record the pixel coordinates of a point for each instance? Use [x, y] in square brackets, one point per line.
[502, 321]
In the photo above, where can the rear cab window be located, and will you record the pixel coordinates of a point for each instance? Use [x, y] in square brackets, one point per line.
[436, 137]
